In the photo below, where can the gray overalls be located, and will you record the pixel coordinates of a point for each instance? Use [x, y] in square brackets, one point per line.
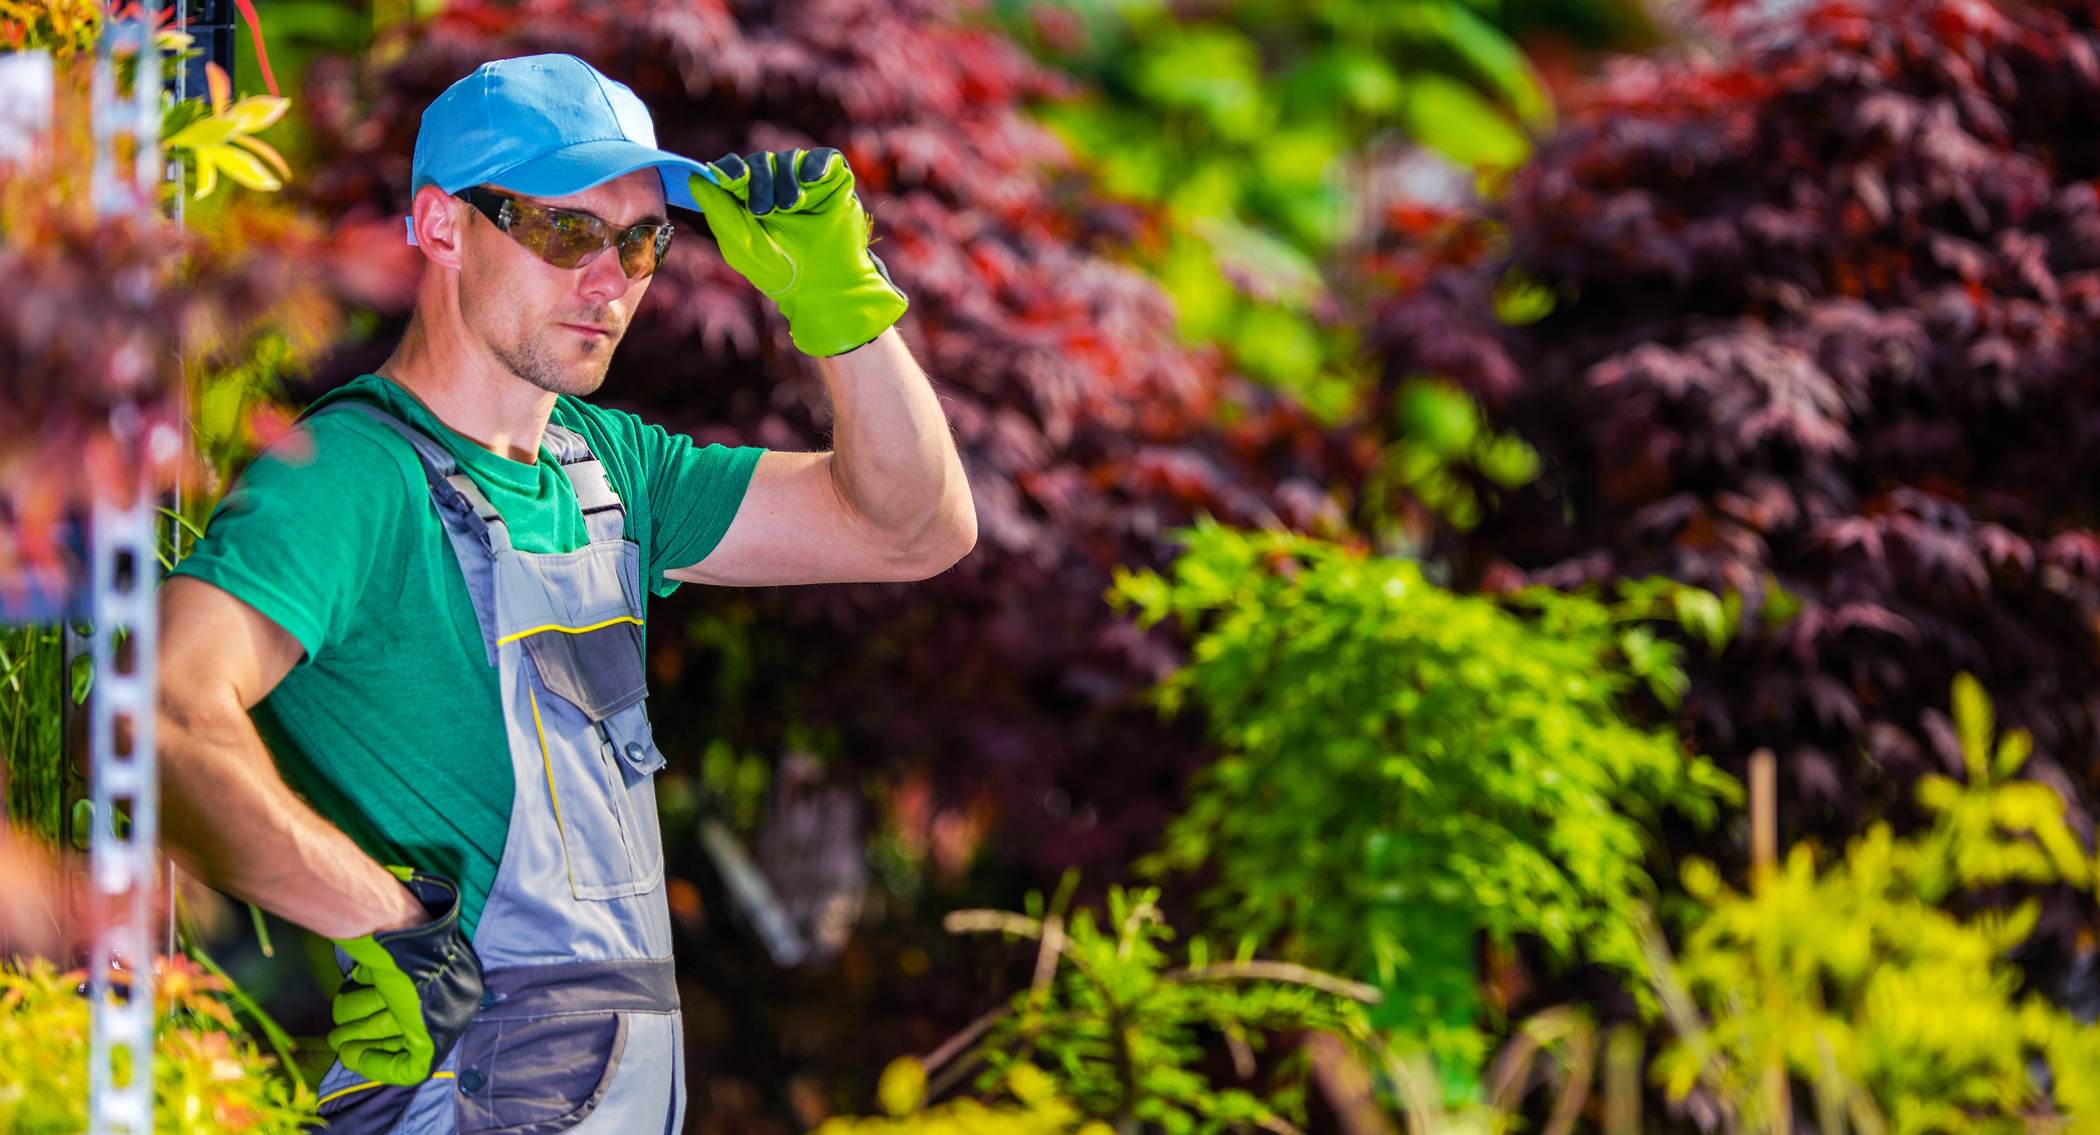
[579, 1030]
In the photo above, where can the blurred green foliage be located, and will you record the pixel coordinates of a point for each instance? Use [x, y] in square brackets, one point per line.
[1857, 980]
[1255, 125]
[208, 1079]
[1405, 769]
[31, 661]
[1445, 456]
[1029, 1104]
[1120, 1028]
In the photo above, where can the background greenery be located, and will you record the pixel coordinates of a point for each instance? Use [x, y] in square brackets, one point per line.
[1412, 468]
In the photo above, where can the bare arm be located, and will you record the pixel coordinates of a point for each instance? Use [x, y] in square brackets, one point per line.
[227, 816]
[888, 503]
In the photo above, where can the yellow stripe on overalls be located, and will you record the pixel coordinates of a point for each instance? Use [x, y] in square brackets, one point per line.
[567, 630]
[547, 762]
[367, 1086]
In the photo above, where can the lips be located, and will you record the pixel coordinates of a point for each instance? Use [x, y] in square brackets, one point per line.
[589, 329]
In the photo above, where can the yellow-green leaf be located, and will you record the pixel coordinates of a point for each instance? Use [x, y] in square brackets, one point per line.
[1974, 722]
[257, 112]
[202, 133]
[207, 174]
[266, 152]
[1450, 116]
[902, 1087]
[245, 168]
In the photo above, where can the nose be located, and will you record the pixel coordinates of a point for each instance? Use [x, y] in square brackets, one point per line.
[601, 279]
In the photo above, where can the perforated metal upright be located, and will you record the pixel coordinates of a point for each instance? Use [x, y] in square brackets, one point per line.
[123, 780]
[135, 116]
[123, 775]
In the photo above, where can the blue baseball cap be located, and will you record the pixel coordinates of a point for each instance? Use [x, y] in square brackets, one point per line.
[543, 126]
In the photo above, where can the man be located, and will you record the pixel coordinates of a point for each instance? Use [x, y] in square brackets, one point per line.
[428, 607]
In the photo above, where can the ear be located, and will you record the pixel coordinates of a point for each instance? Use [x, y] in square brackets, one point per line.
[440, 225]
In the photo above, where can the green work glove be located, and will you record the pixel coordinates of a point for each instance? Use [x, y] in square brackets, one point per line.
[790, 223]
[411, 993]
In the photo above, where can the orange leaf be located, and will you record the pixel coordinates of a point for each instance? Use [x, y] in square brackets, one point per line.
[221, 87]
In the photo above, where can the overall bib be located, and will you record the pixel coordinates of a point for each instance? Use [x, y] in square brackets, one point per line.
[579, 1030]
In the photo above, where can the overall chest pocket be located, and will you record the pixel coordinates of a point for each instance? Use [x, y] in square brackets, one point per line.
[603, 793]
[600, 777]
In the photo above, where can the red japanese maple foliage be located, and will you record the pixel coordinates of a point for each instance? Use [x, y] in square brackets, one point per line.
[1087, 428]
[1826, 320]
[101, 315]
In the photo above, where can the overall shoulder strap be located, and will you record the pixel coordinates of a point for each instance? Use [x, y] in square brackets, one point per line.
[604, 516]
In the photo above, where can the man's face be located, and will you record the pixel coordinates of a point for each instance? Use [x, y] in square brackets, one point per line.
[555, 327]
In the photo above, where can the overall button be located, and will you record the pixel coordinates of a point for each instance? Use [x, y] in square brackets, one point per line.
[470, 1081]
[635, 754]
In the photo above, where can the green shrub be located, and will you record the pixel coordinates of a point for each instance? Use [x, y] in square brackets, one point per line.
[1405, 769]
[1853, 980]
[208, 1078]
[1121, 1030]
[1035, 1108]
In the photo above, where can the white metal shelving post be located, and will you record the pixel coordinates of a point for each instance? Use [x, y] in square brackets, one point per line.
[123, 775]
[123, 779]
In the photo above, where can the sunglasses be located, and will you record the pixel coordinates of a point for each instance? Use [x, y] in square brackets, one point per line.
[566, 238]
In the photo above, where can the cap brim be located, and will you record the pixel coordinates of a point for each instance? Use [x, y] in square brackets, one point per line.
[573, 169]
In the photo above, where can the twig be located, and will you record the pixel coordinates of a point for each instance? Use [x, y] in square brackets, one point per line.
[955, 1074]
[1418, 1096]
[1280, 971]
[1575, 1090]
[1278, 1124]
[1513, 1073]
[989, 921]
[955, 1045]
[1046, 960]
[1242, 1053]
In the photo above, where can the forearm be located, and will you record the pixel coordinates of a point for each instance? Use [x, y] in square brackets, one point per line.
[230, 819]
[894, 462]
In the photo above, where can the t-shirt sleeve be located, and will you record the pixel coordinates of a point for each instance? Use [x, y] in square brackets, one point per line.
[299, 535]
[694, 493]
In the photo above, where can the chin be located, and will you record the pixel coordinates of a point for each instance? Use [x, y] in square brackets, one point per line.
[562, 368]
[582, 381]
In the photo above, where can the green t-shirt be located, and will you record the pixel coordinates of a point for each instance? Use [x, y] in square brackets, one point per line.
[391, 726]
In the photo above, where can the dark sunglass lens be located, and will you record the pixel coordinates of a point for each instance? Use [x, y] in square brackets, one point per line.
[642, 249]
[575, 238]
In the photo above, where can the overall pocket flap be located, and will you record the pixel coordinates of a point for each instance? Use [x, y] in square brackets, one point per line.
[599, 671]
[635, 742]
[537, 1076]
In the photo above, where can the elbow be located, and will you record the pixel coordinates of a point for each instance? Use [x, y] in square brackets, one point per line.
[961, 538]
[942, 546]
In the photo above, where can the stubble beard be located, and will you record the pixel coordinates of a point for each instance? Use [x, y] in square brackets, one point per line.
[537, 359]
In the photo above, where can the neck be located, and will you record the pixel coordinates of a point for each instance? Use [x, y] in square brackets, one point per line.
[462, 384]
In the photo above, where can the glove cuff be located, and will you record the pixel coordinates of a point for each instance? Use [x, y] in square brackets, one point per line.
[442, 975]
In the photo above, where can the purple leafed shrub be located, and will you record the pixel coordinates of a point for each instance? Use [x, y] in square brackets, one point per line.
[1824, 321]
